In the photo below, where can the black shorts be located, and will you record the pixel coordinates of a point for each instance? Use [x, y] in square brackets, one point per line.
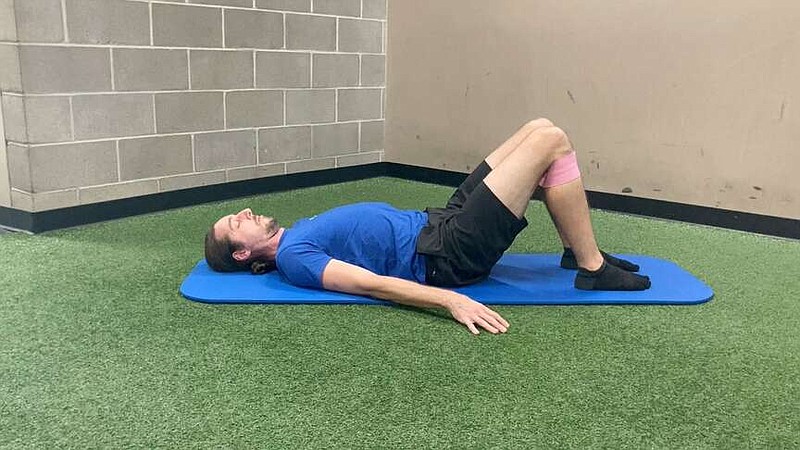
[464, 240]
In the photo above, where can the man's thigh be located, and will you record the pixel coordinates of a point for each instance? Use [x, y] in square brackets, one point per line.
[475, 238]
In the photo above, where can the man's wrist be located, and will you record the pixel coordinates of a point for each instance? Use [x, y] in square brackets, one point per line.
[450, 299]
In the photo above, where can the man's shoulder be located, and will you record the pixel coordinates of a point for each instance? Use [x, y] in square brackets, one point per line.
[301, 262]
[296, 243]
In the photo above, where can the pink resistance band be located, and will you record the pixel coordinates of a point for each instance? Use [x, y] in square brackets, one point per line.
[562, 171]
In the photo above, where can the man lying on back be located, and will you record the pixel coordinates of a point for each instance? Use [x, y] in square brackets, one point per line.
[409, 256]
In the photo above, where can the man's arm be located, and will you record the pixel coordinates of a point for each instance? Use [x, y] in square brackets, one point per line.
[343, 277]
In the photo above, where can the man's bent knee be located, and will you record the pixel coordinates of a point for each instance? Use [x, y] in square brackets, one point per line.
[539, 123]
[555, 141]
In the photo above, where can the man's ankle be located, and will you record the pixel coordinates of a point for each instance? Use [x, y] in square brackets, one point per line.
[593, 263]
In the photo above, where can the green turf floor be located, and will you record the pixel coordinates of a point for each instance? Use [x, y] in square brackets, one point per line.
[98, 349]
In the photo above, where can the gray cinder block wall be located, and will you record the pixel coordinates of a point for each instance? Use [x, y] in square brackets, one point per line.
[109, 99]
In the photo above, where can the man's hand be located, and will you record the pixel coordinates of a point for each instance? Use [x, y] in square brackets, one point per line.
[471, 313]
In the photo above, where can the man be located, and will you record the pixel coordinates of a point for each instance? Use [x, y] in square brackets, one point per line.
[407, 257]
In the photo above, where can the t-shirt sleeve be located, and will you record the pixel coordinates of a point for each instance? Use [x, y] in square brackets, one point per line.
[303, 264]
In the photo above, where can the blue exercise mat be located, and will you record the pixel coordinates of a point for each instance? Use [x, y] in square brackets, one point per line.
[517, 279]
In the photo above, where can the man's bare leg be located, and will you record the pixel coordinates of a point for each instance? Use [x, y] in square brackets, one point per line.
[459, 197]
[553, 201]
[515, 179]
[510, 145]
[516, 171]
[569, 259]
[518, 174]
[570, 213]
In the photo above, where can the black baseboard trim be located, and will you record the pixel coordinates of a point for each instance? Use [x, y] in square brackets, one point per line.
[425, 174]
[85, 214]
[703, 215]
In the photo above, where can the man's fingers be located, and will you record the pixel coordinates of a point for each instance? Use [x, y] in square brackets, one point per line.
[495, 323]
[471, 327]
[474, 314]
[499, 318]
[495, 314]
[494, 318]
[480, 321]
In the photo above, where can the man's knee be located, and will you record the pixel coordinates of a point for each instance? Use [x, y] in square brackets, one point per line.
[539, 123]
[554, 140]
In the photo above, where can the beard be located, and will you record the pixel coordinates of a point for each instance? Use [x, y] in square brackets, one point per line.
[271, 227]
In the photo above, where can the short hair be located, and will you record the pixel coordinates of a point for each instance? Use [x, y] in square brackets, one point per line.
[219, 255]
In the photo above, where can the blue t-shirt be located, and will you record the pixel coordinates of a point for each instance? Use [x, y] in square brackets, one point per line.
[375, 236]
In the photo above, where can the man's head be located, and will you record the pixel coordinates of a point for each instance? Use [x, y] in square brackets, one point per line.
[242, 241]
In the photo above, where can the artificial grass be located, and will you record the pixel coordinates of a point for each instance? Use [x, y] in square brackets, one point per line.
[98, 349]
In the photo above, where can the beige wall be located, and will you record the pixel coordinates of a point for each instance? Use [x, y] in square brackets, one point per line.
[694, 102]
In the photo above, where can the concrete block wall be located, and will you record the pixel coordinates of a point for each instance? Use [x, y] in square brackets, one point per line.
[109, 99]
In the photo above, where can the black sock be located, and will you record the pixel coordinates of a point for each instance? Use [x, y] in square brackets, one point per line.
[568, 261]
[610, 278]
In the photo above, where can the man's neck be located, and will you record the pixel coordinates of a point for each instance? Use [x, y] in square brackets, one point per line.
[271, 249]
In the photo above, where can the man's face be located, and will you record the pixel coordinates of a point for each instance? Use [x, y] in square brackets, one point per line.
[245, 228]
